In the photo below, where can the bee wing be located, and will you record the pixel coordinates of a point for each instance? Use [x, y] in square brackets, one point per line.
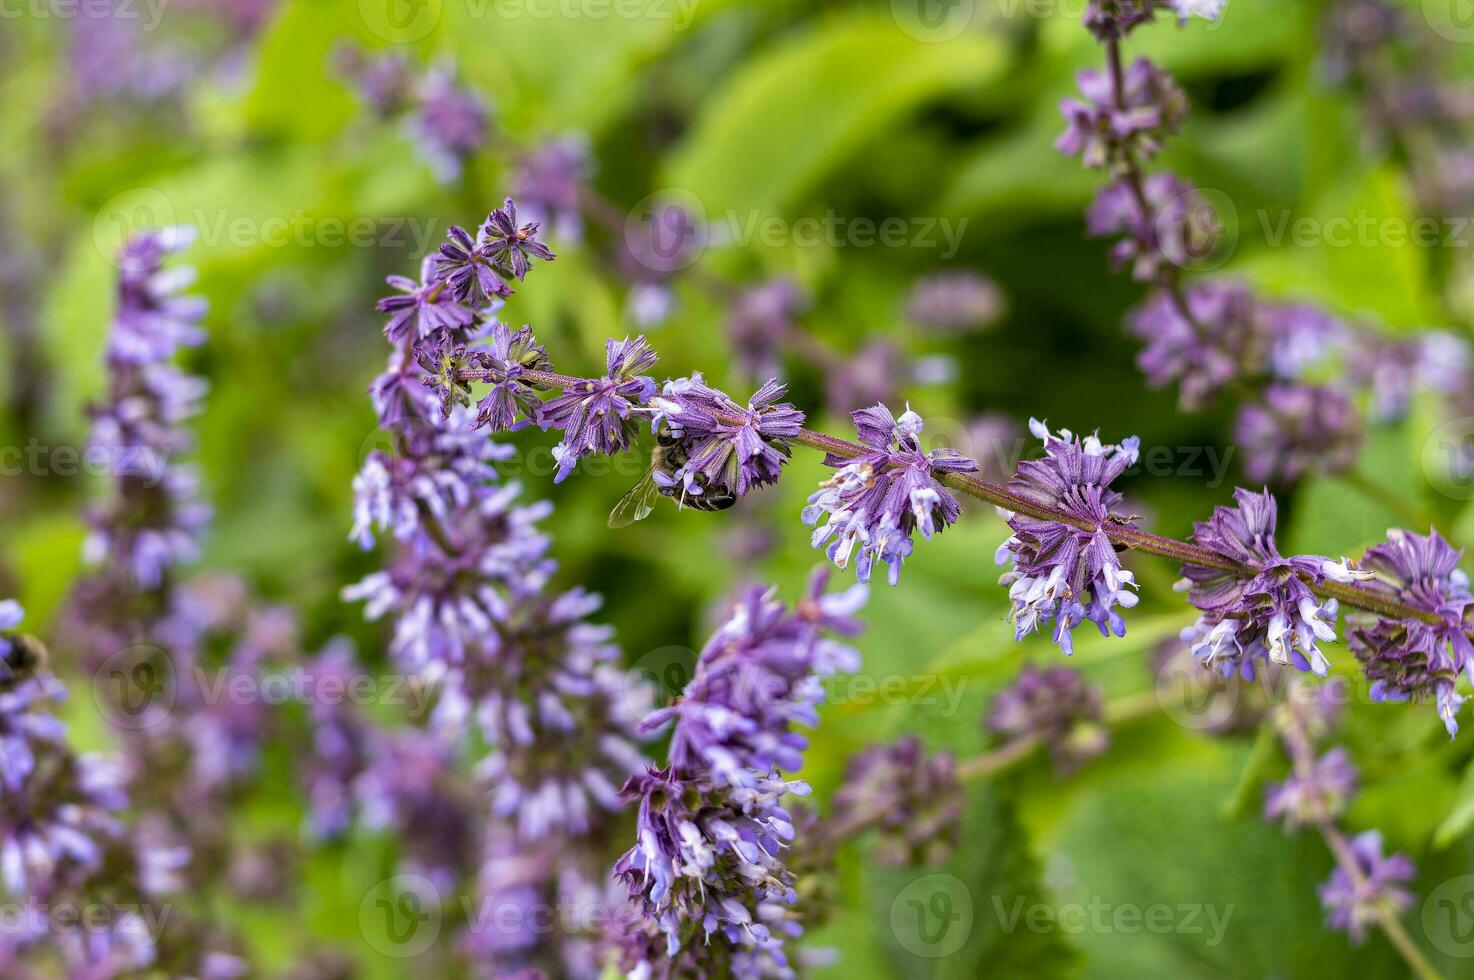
[637, 504]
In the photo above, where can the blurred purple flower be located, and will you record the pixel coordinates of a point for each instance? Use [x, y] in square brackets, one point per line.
[1057, 707]
[1350, 905]
[1296, 430]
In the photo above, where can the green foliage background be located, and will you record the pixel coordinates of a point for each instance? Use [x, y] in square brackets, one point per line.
[789, 109]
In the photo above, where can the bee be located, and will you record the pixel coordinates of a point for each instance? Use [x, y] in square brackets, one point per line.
[25, 657]
[666, 458]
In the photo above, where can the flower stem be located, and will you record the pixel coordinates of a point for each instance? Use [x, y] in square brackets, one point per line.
[1119, 712]
[1302, 758]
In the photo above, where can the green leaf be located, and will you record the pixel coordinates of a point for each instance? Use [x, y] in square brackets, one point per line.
[791, 116]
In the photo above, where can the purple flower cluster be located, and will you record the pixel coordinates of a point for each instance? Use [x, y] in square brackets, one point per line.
[1321, 794]
[1056, 707]
[447, 122]
[1414, 658]
[727, 448]
[1273, 615]
[549, 182]
[1068, 573]
[1107, 127]
[1216, 336]
[877, 501]
[1353, 903]
[760, 322]
[153, 519]
[466, 585]
[712, 826]
[954, 302]
[912, 799]
[599, 416]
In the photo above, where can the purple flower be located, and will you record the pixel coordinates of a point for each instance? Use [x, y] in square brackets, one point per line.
[513, 245]
[912, 799]
[599, 416]
[1062, 572]
[450, 123]
[707, 865]
[872, 374]
[760, 322]
[1396, 370]
[954, 301]
[877, 501]
[1219, 345]
[1058, 708]
[1315, 797]
[727, 449]
[1296, 430]
[1410, 658]
[1352, 905]
[1300, 337]
[509, 354]
[1100, 132]
[1114, 19]
[152, 322]
[407, 789]
[549, 181]
[1273, 615]
[755, 680]
[1176, 227]
[425, 308]
[383, 82]
[466, 265]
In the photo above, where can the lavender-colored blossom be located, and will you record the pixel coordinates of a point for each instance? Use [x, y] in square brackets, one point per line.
[1176, 227]
[758, 677]
[761, 321]
[152, 321]
[1272, 615]
[1114, 19]
[450, 123]
[1396, 370]
[507, 356]
[1300, 337]
[1296, 430]
[513, 245]
[599, 416]
[383, 82]
[1410, 658]
[726, 448]
[1352, 905]
[877, 501]
[954, 301]
[1319, 795]
[546, 690]
[425, 308]
[1063, 573]
[407, 789]
[549, 181]
[467, 266]
[1218, 345]
[707, 867]
[873, 374]
[911, 798]
[1102, 132]
[1057, 707]
[152, 520]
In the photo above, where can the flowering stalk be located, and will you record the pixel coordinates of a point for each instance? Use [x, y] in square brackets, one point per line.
[1216, 337]
[1363, 889]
